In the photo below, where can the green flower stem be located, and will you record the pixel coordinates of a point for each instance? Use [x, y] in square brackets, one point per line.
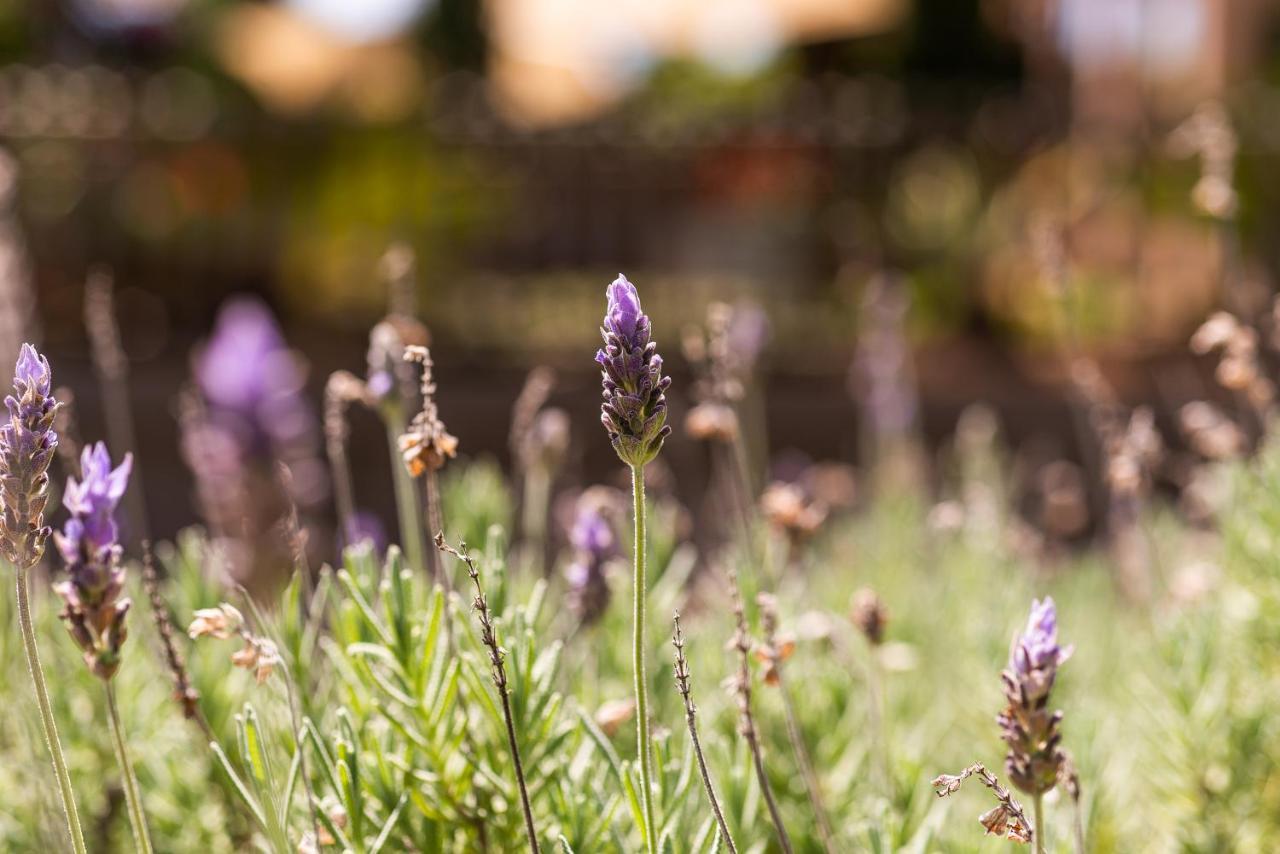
[46, 714]
[642, 690]
[1039, 812]
[133, 798]
[407, 503]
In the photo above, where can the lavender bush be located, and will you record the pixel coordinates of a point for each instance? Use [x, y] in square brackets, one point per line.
[360, 709]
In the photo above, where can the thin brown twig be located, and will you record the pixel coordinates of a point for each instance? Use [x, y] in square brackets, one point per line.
[769, 622]
[498, 668]
[691, 716]
[1007, 819]
[746, 721]
[183, 691]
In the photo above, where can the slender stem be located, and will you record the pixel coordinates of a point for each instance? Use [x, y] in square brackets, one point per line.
[498, 670]
[691, 717]
[746, 721]
[769, 620]
[515, 758]
[1039, 814]
[879, 738]
[132, 797]
[406, 499]
[1078, 829]
[434, 516]
[637, 655]
[46, 714]
[810, 778]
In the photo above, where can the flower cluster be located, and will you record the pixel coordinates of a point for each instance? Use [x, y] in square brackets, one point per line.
[634, 412]
[27, 444]
[1027, 724]
[93, 608]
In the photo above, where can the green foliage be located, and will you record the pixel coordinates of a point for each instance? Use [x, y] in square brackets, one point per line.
[1169, 709]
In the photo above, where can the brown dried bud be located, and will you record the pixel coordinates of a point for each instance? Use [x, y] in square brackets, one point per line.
[712, 422]
[612, 714]
[870, 615]
[220, 622]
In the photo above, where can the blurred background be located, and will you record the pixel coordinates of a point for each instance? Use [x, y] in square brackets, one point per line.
[933, 202]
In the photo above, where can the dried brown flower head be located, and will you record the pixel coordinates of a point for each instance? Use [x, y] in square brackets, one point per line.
[870, 615]
[612, 714]
[787, 508]
[221, 622]
[426, 445]
[711, 421]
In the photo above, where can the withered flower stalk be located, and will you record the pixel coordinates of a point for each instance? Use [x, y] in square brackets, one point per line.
[740, 684]
[498, 668]
[426, 446]
[768, 605]
[1006, 819]
[691, 717]
[184, 692]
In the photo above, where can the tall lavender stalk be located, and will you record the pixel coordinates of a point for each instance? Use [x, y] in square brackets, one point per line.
[1036, 760]
[1035, 757]
[94, 610]
[27, 445]
[634, 414]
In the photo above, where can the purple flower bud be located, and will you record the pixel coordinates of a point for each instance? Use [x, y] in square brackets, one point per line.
[27, 443]
[93, 609]
[623, 316]
[634, 412]
[1037, 649]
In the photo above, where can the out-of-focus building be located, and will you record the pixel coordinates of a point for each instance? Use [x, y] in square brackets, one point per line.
[562, 61]
[1126, 60]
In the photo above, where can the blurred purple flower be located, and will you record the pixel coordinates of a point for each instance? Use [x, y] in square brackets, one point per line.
[634, 412]
[93, 611]
[362, 527]
[92, 502]
[27, 443]
[249, 377]
[592, 534]
[594, 546]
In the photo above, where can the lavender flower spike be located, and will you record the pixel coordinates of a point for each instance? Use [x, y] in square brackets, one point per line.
[94, 610]
[634, 411]
[27, 443]
[1027, 724]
